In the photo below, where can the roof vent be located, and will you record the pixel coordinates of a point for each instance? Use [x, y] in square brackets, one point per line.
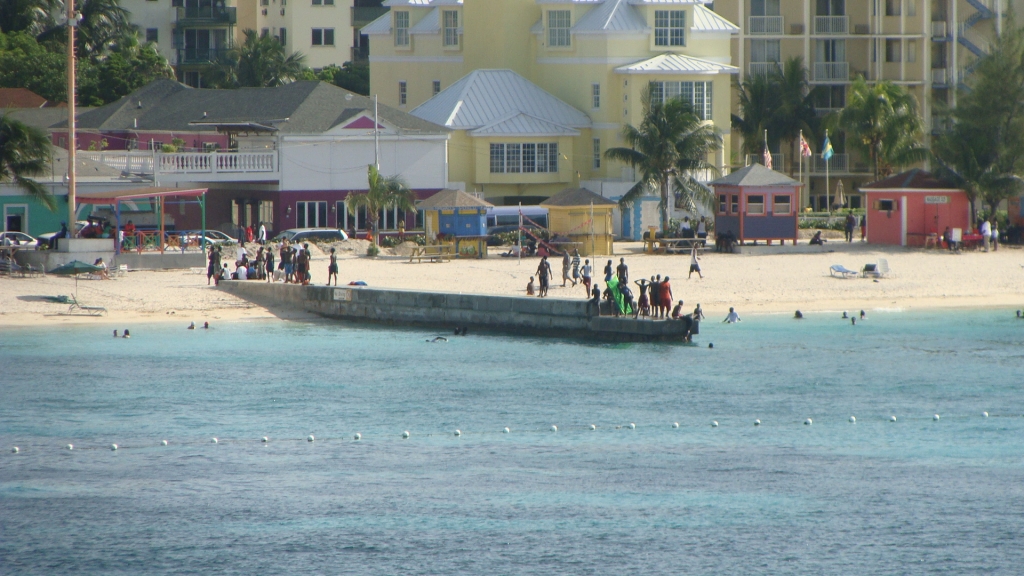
[139, 104]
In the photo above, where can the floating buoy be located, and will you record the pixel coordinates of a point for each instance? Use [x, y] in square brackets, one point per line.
[853, 419]
[358, 436]
[310, 438]
[892, 418]
[15, 450]
[163, 442]
[808, 422]
[714, 423]
[554, 428]
[757, 422]
[936, 417]
[264, 440]
[214, 440]
[675, 424]
[632, 426]
[458, 432]
[506, 430]
[592, 427]
[984, 414]
[405, 434]
[113, 447]
[70, 446]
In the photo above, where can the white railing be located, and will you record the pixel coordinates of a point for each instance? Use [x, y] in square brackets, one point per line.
[837, 164]
[822, 112]
[832, 71]
[125, 161]
[216, 162]
[764, 68]
[940, 30]
[765, 25]
[940, 76]
[777, 160]
[831, 25]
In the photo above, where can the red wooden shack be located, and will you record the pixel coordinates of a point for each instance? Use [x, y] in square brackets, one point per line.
[905, 209]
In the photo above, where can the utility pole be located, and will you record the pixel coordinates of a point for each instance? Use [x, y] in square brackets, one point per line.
[71, 23]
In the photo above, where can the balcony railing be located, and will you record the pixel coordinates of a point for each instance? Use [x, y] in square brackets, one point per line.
[126, 161]
[218, 166]
[831, 25]
[837, 164]
[766, 25]
[764, 68]
[940, 30]
[832, 71]
[777, 160]
[203, 55]
[196, 15]
[821, 112]
[941, 76]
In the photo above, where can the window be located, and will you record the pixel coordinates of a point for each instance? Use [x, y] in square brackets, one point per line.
[722, 203]
[177, 3]
[782, 204]
[885, 205]
[830, 51]
[284, 37]
[437, 87]
[892, 7]
[451, 28]
[326, 2]
[597, 153]
[264, 32]
[830, 97]
[403, 93]
[323, 36]
[697, 94]
[734, 204]
[765, 51]
[152, 34]
[528, 158]
[595, 96]
[893, 51]
[264, 2]
[764, 8]
[912, 50]
[317, 2]
[831, 8]
[669, 28]
[755, 205]
[311, 214]
[401, 28]
[559, 22]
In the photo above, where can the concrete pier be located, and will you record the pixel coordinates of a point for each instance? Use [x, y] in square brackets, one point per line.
[478, 312]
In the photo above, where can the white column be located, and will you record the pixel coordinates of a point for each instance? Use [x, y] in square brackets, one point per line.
[903, 220]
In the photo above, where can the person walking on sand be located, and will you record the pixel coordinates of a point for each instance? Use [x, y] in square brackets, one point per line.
[694, 265]
[575, 267]
[995, 235]
[608, 271]
[270, 265]
[263, 234]
[643, 305]
[544, 275]
[732, 318]
[622, 271]
[332, 269]
[986, 234]
[566, 265]
[587, 271]
[863, 227]
[211, 269]
[851, 222]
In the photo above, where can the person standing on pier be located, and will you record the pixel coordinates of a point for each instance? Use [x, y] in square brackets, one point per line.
[623, 272]
[587, 271]
[566, 264]
[544, 275]
[332, 269]
[575, 267]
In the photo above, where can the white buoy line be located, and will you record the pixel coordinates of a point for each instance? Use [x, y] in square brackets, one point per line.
[458, 433]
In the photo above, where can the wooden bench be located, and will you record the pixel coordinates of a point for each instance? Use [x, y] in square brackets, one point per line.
[673, 245]
[438, 253]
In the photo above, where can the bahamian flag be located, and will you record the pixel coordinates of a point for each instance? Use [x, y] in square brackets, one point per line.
[826, 151]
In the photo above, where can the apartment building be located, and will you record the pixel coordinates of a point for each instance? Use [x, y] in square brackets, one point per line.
[928, 46]
[574, 71]
[320, 29]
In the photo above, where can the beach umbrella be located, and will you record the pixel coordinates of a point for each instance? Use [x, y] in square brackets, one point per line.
[74, 268]
[840, 199]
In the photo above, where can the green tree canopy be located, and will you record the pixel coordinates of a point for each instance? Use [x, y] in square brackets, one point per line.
[261, 61]
[383, 193]
[669, 150]
[24, 152]
[882, 121]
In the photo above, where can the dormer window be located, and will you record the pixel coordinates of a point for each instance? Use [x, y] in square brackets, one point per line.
[401, 28]
[559, 22]
[451, 28]
[669, 28]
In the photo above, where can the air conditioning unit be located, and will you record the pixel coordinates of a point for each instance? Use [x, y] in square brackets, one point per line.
[861, 29]
[796, 29]
[264, 11]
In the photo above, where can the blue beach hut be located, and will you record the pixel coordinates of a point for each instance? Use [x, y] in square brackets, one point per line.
[757, 203]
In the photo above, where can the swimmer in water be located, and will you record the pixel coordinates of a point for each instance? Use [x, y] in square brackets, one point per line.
[438, 339]
[206, 325]
[192, 326]
[853, 321]
[732, 318]
[863, 315]
[799, 315]
[845, 316]
[1019, 315]
[126, 334]
[115, 329]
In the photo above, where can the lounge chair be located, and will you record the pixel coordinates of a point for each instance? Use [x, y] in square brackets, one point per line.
[842, 271]
[879, 270]
[78, 309]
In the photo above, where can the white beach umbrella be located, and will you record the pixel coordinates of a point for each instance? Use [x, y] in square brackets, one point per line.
[840, 199]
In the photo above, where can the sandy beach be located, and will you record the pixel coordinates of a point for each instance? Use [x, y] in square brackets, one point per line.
[760, 280]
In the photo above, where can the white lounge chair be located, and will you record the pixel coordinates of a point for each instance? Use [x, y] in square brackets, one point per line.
[879, 270]
[842, 271]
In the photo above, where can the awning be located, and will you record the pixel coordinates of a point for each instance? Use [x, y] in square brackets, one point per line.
[115, 196]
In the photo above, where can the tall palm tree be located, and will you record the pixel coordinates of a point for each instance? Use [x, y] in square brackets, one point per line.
[104, 23]
[669, 149]
[882, 121]
[260, 62]
[759, 101]
[24, 152]
[32, 16]
[383, 193]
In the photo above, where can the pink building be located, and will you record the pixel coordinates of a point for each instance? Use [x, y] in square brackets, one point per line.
[903, 210]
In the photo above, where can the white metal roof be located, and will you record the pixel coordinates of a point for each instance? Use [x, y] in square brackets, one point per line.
[612, 16]
[705, 20]
[636, 2]
[381, 26]
[485, 97]
[676, 64]
[422, 3]
[520, 124]
[429, 24]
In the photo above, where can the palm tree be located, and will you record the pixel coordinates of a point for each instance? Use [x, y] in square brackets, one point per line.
[259, 62]
[383, 193]
[882, 121]
[24, 152]
[669, 150]
[759, 101]
[104, 23]
[32, 16]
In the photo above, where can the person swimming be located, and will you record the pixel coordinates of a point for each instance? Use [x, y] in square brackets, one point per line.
[192, 326]
[438, 339]
[853, 321]
[799, 315]
[863, 315]
[206, 325]
[126, 334]
[115, 329]
[845, 316]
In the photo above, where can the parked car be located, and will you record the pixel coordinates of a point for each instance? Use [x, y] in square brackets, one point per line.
[212, 236]
[493, 232]
[295, 235]
[46, 238]
[18, 239]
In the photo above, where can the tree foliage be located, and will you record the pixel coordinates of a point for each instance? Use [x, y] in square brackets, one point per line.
[24, 152]
[383, 193]
[984, 150]
[260, 62]
[882, 121]
[669, 150]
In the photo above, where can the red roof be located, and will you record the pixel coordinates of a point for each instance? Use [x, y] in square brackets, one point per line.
[915, 179]
[21, 98]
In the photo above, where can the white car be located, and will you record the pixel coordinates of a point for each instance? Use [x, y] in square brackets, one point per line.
[46, 238]
[212, 236]
[19, 239]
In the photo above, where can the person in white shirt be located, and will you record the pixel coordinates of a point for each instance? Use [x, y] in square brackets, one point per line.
[995, 235]
[702, 228]
[732, 318]
[263, 234]
[240, 252]
[986, 233]
[694, 266]
[242, 273]
[587, 268]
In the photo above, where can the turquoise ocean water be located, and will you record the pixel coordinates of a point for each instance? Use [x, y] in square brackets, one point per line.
[917, 496]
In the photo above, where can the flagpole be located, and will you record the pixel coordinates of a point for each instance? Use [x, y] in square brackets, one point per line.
[800, 155]
[520, 233]
[827, 201]
[767, 151]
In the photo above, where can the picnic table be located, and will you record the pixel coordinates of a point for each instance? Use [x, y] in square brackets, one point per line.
[436, 253]
[673, 245]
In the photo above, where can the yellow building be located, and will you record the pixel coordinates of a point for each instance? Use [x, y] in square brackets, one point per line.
[591, 59]
[583, 216]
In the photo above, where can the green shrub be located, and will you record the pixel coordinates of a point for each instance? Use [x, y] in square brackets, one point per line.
[372, 251]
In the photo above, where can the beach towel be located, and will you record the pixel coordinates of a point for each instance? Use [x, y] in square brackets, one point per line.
[620, 301]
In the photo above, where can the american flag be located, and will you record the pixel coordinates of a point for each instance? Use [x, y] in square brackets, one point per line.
[805, 148]
[767, 158]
